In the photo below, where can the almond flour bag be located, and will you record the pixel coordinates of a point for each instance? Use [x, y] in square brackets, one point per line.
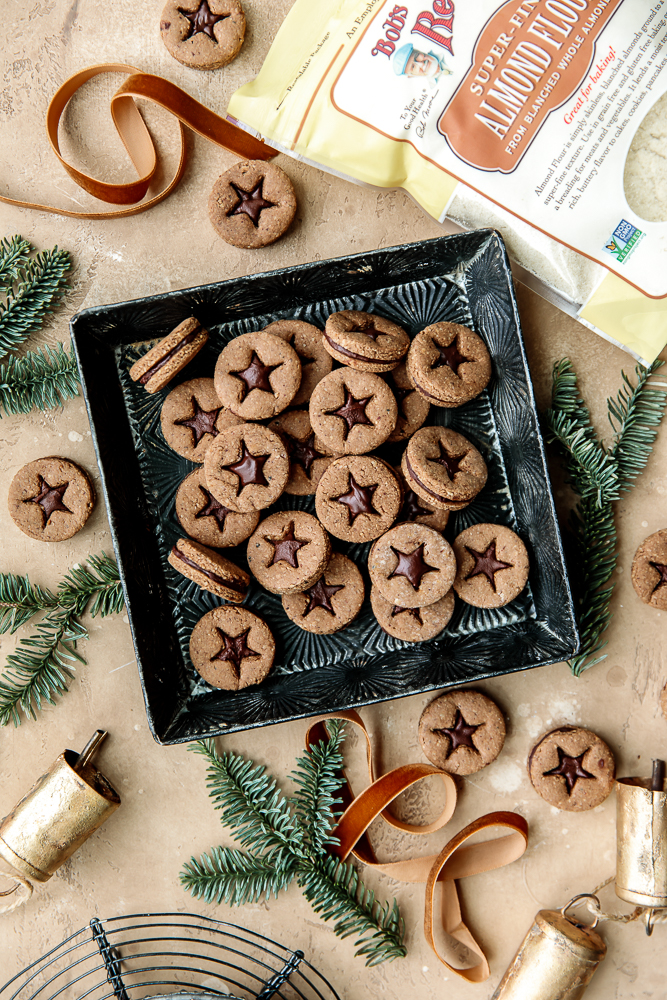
[531, 105]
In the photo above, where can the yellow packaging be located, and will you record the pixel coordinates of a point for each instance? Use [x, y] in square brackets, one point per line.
[530, 105]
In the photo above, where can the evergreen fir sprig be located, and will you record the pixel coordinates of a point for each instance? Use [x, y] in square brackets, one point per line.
[37, 286]
[288, 839]
[14, 254]
[41, 380]
[41, 666]
[599, 475]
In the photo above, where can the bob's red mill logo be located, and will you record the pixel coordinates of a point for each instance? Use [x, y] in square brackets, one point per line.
[435, 25]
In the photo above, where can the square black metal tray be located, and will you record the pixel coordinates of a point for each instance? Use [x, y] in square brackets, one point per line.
[464, 278]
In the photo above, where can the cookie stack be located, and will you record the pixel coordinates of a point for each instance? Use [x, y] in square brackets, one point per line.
[254, 439]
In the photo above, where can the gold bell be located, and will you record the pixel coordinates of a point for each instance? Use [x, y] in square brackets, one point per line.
[58, 814]
[641, 839]
[556, 959]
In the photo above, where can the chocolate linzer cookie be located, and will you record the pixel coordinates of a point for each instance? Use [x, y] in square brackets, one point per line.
[572, 768]
[492, 565]
[232, 648]
[462, 731]
[50, 499]
[206, 520]
[332, 602]
[209, 570]
[412, 624]
[159, 365]
[412, 565]
[288, 551]
[306, 340]
[252, 204]
[246, 468]
[353, 412]
[358, 498]
[257, 375]
[443, 467]
[448, 364]
[309, 457]
[192, 416]
[414, 508]
[365, 341]
[412, 407]
[649, 570]
[203, 34]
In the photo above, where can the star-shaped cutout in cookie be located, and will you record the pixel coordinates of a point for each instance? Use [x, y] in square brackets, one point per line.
[202, 20]
[459, 735]
[368, 327]
[286, 549]
[450, 356]
[662, 570]
[303, 453]
[412, 507]
[213, 508]
[234, 649]
[450, 463]
[250, 203]
[414, 612]
[255, 376]
[570, 768]
[201, 422]
[352, 411]
[249, 468]
[358, 500]
[49, 498]
[487, 563]
[320, 594]
[412, 566]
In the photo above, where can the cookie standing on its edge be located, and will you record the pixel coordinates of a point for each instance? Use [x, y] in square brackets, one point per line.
[649, 570]
[159, 365]
[462, 731]
[50, 499]
[209, 570]
[572, 768]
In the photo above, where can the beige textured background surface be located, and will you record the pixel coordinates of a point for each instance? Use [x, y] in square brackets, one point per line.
[132, 864]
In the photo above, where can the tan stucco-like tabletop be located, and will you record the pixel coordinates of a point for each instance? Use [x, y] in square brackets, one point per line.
[132, 864]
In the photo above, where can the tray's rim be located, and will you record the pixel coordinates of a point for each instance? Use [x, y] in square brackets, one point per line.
[82, 325]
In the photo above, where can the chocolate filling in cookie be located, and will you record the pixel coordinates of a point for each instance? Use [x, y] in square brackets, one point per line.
[359, 357]
[358, 500]
[412, 507]
[255, 376]
[147, 376]
[487, 563]
[353, 411]
[320, 594]
[662, 570]
[414, 612]
[213, 509]
[571, 769]
[224, 582]
[286, 549]
[250, 203]
[49, 498]
[202, 20]
[412, 566]
[459, 735]
[416, 478]
[449, 355]
[248, 469]
[201, 422]
[234, 649]
[302, 453]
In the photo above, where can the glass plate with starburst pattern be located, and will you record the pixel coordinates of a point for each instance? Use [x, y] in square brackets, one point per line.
[463, 278]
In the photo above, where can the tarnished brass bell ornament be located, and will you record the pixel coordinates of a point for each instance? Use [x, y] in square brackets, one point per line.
[556, 959]
[57, 815]
[641, 841]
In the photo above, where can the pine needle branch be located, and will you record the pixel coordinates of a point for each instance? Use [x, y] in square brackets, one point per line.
[234, 877]
[20, 600]
[14, 254]
[635, 417]
[40, 283]
[318, 780]
[41, 380]
[42, 664]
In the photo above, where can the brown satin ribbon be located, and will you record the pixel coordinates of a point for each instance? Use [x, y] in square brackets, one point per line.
[455, 861]
[137, 139]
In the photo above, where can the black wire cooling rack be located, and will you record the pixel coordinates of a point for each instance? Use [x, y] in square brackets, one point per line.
[180, 955]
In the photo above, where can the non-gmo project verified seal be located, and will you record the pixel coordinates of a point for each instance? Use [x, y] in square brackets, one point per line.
[623, 240]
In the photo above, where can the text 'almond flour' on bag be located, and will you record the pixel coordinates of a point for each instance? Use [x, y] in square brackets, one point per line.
[532, 104]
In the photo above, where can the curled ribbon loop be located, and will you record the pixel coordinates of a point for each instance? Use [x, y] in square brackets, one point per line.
[137, 139]
[455, 861]
[17, 895]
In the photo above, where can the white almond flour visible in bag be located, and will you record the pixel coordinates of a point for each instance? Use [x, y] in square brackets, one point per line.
[532, 104]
